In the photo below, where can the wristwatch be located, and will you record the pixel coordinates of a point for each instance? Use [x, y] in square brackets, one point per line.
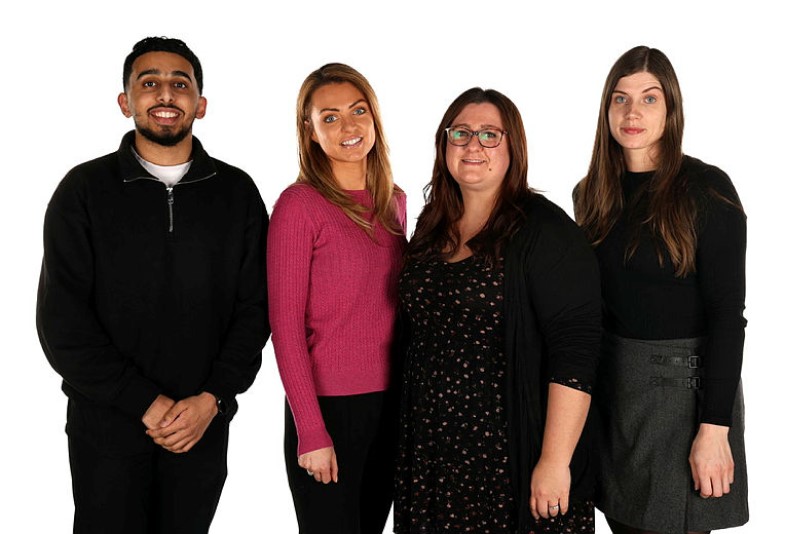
[222, 406]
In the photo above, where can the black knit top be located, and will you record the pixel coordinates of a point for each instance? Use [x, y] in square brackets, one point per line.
[645, 300]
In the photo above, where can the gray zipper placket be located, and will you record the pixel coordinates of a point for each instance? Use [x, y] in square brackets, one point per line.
[170, 202]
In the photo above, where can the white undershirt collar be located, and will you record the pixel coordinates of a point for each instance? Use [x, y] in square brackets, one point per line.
[169, 174]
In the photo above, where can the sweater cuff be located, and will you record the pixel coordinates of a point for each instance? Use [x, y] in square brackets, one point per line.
[313, 440]
[719, 397]
[716, 420]
[216, 386]
[137, 396]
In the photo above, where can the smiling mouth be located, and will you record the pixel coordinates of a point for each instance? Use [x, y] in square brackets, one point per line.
[472, 161]
[165, 114]
[351, 142]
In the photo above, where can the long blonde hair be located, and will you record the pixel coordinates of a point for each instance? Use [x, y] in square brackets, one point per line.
[315, 167]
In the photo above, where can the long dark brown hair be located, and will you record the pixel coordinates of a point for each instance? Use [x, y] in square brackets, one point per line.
[437, 229]
[315, 167]
[671, 212]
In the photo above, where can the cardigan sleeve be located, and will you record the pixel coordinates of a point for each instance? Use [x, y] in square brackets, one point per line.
[564, 289]
[72, 335]
[721, 245]
[290, 245]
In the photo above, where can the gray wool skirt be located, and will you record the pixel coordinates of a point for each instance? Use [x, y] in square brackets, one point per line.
[648, 396]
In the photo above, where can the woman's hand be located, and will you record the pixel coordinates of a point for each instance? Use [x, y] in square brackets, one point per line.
[321, 464]
[550, 480]
[550, 483]
[711, 461]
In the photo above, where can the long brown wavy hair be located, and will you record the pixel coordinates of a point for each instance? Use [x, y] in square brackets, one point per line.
[315, 167]
[437, 229]
[670, 213]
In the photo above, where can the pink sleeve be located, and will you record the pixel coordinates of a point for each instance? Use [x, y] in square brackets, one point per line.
[290, 245]
[400, 199]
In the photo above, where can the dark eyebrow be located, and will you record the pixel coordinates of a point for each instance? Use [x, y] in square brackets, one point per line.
[179, 73]
[482, 127]
[654, 88]
[351, 106]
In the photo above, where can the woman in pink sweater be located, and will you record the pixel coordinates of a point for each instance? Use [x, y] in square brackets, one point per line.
[335, 244]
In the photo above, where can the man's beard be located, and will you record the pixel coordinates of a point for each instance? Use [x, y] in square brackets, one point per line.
[165, 138]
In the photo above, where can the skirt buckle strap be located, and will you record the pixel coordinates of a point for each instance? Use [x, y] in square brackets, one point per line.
[692, 361]
[692, 382]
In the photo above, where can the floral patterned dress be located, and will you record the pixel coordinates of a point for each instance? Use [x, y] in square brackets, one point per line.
[453, 465]
[452, 472]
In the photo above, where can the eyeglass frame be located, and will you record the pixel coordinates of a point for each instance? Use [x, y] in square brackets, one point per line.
[474, 133]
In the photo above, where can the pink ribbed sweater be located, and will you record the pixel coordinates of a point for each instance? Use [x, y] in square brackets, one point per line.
[332, 303]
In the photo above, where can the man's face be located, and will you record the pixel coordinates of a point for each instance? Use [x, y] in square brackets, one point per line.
[162, 97]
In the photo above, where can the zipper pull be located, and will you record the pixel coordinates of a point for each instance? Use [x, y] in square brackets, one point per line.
[170, 202]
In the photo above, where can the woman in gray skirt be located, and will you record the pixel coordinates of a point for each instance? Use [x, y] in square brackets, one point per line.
[669, 232]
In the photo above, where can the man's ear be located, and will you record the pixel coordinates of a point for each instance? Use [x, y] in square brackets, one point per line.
[122, 100]
[200, 112]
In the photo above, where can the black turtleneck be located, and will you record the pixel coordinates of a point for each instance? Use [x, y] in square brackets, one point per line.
[645, 300]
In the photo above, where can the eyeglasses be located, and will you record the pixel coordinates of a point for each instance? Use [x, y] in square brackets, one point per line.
[488, 137]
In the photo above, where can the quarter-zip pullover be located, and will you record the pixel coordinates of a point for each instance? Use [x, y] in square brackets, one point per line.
[143, 292]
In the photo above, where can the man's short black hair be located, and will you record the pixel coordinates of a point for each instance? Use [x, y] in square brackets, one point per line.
[162, 44]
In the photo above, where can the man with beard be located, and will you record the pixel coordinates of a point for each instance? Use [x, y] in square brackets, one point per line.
[152, 307]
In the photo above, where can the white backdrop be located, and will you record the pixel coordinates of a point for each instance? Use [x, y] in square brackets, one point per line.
[61, 72]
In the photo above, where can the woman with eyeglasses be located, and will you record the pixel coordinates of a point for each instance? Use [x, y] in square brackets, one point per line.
[500, 299]
[669, 232]
[334, 253]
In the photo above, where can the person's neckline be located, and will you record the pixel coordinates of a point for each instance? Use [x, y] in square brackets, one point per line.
[462, 260]
[640, 173]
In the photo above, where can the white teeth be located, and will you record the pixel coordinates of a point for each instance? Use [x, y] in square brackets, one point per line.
[351, 142]
[165, 114]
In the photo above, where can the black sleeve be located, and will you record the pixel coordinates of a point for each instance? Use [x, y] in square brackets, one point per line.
[722, 242]
[565, 293]
[71, 334]
[240, 358]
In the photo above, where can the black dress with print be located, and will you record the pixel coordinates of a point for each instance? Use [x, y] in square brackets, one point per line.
[452, 473]
[453, 461]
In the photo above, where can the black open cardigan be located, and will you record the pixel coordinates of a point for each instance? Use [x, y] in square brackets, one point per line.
[552, 308]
